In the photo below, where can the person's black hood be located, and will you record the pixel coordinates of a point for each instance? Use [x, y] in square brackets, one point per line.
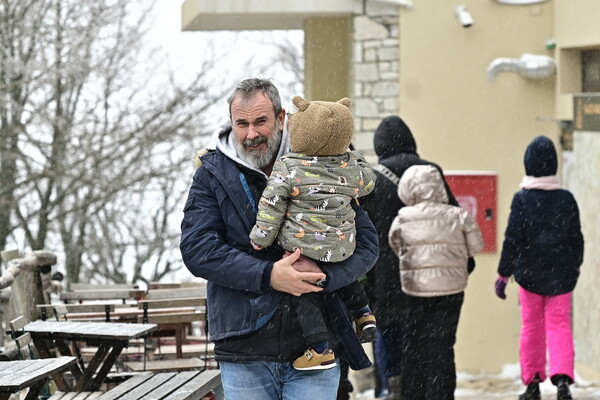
[541, 158]
[393, 136]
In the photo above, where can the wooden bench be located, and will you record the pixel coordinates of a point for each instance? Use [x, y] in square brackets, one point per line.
[105, 294]
[76, 396]
[175, 285]
[190, 385]
[101, 309]
[178, 364]
[124, 314]
[188, 350]
[92, 286]
[168, 324]
[181, 293]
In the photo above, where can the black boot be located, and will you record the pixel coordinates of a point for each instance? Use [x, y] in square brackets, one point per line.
[562, 383]
[532, 392]
[395, 388]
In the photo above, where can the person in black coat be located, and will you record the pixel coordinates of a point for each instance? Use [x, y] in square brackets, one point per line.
[543, 249]
[396, 149]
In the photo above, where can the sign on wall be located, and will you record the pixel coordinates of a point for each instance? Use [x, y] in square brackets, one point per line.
[586, 112]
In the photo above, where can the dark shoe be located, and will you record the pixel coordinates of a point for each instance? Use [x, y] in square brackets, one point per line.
[366, 326]
[562, 383]
[344, 390]
[563, 392]
[395, 388]
[532, 392]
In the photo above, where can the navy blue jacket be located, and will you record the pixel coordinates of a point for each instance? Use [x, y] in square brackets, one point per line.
[543, 244]
[218, 217]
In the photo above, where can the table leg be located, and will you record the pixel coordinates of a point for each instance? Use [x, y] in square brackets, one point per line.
[88, 373]
[179, 336]
[106, 366]
[65, 350]
[35, 389]
[44, 351]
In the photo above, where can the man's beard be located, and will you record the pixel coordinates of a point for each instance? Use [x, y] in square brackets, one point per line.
[257, 158]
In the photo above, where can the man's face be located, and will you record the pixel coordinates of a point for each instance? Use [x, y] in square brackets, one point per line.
[257, 130]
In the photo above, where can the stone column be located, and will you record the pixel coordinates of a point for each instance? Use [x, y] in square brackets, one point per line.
[375, 70]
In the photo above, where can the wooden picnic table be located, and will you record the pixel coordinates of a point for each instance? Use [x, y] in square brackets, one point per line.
[33, 374]
[110, 338]
[189, 385]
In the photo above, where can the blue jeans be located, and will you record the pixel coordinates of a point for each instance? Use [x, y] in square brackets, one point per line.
[267, 380]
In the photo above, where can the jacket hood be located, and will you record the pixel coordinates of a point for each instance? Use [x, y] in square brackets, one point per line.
[225, 143]
[540, 158]
[422, 183]
[393, 136]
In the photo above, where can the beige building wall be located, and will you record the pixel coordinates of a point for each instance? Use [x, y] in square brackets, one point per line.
[464, 122]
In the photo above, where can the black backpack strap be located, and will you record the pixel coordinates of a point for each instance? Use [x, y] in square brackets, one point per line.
[385, 171]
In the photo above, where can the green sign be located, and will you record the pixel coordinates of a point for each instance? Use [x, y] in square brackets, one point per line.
[586, 112]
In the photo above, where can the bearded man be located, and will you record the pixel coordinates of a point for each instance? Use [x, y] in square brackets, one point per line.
[255, 346]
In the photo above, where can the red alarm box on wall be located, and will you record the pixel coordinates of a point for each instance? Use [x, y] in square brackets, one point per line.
[476, 192]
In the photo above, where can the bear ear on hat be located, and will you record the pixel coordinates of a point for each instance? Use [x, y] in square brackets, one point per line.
[346, 101]
[300, 103]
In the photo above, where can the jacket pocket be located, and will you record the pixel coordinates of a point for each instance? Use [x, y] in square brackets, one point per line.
[187, 215]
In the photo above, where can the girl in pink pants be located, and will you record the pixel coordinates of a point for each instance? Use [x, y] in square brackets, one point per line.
[543, 249]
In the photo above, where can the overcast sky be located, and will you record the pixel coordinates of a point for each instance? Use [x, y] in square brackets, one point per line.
[249, 50]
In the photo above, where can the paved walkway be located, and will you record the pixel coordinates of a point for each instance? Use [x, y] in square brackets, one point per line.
[500, 388]
[494, 388]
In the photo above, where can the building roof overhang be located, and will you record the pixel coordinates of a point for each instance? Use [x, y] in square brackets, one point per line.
[215, 15]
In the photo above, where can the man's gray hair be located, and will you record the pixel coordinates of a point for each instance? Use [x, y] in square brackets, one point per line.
[248, 88]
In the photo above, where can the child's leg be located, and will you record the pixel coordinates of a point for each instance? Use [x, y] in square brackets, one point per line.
[355, 298]
[533, 336]
[310, 318]
[319, 355]
[560, 335]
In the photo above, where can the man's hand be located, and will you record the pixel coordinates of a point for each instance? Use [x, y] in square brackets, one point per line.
[285, 278]
[305, 264]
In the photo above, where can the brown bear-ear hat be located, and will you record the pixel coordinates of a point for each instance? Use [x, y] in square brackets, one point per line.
[321, 128]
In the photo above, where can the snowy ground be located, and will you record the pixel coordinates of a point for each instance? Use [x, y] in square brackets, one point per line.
[506, 386]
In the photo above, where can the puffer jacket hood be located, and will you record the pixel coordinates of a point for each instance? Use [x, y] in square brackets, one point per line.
[393, 136]
[540, 158]
[422, 183]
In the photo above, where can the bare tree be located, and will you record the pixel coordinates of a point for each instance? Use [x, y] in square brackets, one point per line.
[287, 62]
[88, 133]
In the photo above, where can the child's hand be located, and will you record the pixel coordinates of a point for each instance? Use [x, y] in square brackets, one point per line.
[255, 246]
[305, 264]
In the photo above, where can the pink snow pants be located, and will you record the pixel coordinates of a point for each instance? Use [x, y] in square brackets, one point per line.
[546, 319]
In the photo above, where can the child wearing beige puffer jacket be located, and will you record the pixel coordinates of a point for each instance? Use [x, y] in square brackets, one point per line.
[433, 241]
